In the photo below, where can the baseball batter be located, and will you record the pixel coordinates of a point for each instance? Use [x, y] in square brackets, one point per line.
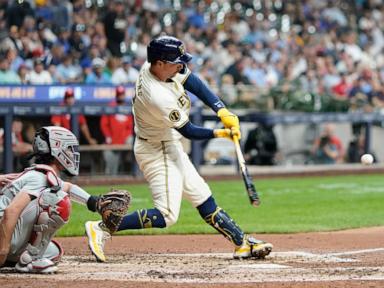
[161, 111]
[35, 203]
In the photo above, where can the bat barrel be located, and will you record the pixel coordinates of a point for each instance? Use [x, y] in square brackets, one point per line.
[251, 189]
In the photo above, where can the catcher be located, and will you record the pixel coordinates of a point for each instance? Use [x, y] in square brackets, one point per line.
[36, 203]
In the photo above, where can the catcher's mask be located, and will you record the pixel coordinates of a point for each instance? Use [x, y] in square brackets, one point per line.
[61, 144]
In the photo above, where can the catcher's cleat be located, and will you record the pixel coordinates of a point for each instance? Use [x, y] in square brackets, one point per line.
[252, 248]
[96, 239]
[39, 266]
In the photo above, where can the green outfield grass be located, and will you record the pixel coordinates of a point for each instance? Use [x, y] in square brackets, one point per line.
[288, 205]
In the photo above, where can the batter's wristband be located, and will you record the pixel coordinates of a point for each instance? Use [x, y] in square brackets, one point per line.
[92, 203]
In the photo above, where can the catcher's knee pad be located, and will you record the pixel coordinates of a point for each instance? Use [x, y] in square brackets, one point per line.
[55, 208]
[221, 221]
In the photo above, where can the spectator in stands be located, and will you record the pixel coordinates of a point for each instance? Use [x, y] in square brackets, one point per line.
[17, 12]
[14, 59]
[7, 76]
[23, 72]
[98, 75]
[65, 119]
[39, 75]
[61, 14]
[341, 89]
[69, 72]
[20, 147]
[256, 73]
[327, 148]
[115, 24]
[117, 129]
[228, 93]
[56, 54]
[261, 146]
[77, 39]
[63, 38]
[111, 66]
[125, 74]
[236, 70]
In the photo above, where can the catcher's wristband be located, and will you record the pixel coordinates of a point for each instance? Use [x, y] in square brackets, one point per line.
[92, 203]
[78, 194]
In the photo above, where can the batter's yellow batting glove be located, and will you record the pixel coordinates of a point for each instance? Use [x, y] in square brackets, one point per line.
[228, 118]
[227, 133]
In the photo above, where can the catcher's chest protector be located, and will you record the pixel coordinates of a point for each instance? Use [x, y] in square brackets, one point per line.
[53, 182]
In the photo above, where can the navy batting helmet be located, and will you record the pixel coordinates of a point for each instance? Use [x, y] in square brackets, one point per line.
[169, 49]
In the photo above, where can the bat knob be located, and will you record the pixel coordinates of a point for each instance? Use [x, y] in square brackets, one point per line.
[256, 202]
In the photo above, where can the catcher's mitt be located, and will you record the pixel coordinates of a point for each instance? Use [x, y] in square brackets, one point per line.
[112, 207]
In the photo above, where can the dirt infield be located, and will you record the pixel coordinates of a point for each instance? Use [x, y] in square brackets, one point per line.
[351, 258]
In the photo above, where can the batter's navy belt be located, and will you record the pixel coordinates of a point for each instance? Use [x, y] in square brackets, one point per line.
[144, 139]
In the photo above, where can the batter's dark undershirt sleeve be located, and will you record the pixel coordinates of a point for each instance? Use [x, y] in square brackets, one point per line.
[192, 131]
[196, 86]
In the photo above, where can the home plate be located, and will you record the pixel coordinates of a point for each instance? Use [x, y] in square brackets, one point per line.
[259, 266]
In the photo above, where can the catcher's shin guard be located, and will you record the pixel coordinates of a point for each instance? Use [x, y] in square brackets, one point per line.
[55, 209]
[221, 221]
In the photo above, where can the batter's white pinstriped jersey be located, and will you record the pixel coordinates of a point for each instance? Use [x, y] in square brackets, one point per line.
[159, 106]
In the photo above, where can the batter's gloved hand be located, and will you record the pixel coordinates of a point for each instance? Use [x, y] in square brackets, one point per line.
[228, 118]
[112, 207]
[227, 133]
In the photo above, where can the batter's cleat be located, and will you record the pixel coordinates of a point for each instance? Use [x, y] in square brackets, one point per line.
[40, 266]
[96, 239]
[252, 248]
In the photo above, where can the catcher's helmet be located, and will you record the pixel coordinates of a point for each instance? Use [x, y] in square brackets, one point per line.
[169, 49]
[59, 143]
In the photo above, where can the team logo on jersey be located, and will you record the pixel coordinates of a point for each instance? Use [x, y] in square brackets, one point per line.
[174, 116]
[181, 101]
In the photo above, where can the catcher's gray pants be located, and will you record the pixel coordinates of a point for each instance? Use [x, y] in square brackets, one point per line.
[23, 232]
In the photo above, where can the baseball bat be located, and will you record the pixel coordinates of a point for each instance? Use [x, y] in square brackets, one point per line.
[249, 186]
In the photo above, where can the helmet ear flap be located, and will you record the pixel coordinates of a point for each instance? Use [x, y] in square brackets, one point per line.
[41, 142]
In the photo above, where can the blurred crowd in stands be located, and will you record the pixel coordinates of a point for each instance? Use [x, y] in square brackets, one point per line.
[304, 55]
[308, 55]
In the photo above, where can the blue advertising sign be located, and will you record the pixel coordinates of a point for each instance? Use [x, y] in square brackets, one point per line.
[52, 93]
